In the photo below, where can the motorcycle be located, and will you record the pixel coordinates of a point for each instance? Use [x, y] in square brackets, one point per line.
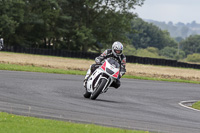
[101, 79]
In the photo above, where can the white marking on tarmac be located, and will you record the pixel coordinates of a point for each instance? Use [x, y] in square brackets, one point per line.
[182, 103]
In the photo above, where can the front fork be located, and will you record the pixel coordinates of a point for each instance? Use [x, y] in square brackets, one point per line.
[108, 83]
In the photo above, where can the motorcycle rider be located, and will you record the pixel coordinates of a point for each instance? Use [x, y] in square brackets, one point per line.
[116, 54]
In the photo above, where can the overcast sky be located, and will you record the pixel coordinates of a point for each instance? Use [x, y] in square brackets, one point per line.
[184, 11]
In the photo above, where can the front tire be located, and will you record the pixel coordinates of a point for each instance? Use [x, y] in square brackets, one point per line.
[87, 94]
[98, 90]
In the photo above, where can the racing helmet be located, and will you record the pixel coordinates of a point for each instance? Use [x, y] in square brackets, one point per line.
[117, 48]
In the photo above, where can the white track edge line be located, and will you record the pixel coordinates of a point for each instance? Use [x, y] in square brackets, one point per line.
[189, 101]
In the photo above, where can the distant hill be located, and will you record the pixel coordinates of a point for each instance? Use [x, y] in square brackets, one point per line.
[179, 29]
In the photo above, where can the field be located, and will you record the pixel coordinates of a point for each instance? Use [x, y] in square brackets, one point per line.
[159, 72]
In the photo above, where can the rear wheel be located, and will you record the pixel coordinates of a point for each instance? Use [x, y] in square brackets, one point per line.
[99, 89]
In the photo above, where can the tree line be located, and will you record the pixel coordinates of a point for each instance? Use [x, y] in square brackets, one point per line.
[178, 29]
[79, 25]
[85, 25]
[151, 41]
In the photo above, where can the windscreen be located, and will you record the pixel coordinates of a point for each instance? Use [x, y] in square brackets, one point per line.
[114, 63]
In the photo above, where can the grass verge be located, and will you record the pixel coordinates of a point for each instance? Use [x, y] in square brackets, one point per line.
[196, 105]
[28, 68]
[32, 68]
[10, 123]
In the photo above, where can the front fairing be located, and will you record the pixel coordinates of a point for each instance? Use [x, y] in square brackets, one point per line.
[91, 79]
[112, 69]
[107, 71]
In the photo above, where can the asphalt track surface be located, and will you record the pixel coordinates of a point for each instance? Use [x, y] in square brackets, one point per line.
[138, 104]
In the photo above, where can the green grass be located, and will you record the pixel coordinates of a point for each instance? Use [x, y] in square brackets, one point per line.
[196, 105]
[158, 79]
[10, 123]
[28, 68]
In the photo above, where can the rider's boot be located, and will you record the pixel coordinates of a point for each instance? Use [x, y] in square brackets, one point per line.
[86, 77]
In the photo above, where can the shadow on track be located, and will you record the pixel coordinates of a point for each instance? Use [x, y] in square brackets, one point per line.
[108, 101]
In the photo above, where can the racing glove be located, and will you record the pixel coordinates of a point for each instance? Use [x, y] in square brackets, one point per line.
[98, 61]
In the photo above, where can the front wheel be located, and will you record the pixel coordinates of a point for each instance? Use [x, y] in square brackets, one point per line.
[87, 94]
[99, 89]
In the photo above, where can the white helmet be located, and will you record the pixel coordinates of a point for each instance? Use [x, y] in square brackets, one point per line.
[117, 48]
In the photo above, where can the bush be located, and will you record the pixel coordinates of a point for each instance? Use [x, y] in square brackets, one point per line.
[148, 52]
[129, 50]
[168, 52]
[193, 58]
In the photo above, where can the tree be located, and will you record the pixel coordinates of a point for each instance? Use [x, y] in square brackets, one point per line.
[40, 23]
[168, 52]
[179, 39]
[184, 31]
[193, 58]
[148, 35]
[12, 14]
[172, 53]
[105, 21]
[73, 24]
[129, 50]
[191, 44]
[148, 52]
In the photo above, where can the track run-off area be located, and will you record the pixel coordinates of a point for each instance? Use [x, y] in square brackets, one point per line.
[137, 104]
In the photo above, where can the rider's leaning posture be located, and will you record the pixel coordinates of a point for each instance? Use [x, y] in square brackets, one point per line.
[115, 53]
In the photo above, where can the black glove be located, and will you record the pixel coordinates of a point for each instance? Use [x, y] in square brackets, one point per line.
[97, 61]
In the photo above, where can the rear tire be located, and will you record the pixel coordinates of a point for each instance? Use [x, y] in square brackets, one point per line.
[99, 89]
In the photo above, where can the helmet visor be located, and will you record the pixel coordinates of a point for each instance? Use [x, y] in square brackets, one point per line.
[118, 52]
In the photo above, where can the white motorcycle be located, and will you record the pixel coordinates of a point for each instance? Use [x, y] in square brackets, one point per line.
[99, 81]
